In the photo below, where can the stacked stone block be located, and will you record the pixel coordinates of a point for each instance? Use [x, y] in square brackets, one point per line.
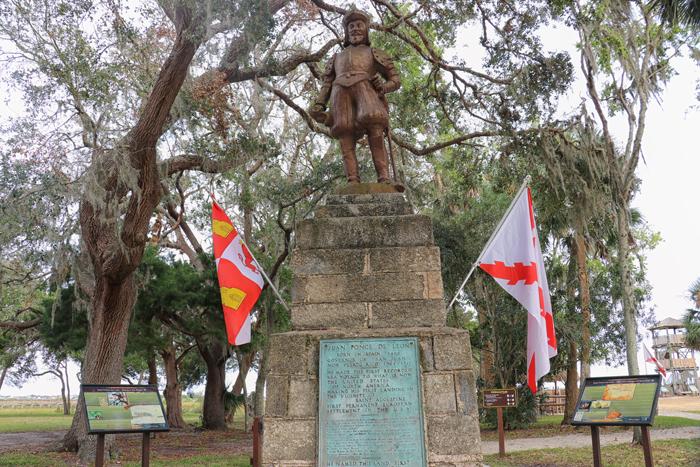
[366, 267]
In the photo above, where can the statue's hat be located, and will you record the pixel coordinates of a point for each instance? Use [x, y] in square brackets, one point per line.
[355, 14]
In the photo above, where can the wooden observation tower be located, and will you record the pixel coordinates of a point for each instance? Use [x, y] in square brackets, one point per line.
[669, 345]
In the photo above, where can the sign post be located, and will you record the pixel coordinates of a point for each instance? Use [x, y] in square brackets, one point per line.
[618, 401]
[498, 399]
[122, 408]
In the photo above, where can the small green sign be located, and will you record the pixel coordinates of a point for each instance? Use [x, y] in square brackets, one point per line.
[370, 411]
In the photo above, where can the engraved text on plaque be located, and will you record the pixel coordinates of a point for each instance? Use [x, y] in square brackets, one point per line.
[369, 403]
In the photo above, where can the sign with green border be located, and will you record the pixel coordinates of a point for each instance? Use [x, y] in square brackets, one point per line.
[123, 408]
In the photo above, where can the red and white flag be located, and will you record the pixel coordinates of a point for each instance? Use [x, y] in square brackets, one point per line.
[240, 279]
[514, 259]
[649, 358]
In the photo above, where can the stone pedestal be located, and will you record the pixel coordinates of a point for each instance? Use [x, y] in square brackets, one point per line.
[365, 267]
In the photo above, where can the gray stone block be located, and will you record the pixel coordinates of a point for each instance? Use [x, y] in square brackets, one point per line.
[465, 389]
[418, 258]
[289, 354]
[368, 198]
[330, 316]
[276, 395]
[439, 393]
[453, 435]
[303, 397]
[362, 232]
[409, 313]
[289, 440]
[453, 351]
[363, 288]
[427, 359]
[328, 261]
[363, 210]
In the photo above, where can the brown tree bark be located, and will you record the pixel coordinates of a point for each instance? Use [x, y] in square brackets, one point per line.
[114, 238]
[2, 376]
[213, 408]
[585, 300]
[173, 390]
[152, 370]
[571, 389]
[68, 403]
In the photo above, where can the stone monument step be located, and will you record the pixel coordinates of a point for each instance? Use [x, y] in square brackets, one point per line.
[363, 210]
[377, 287]
[328, 261]
[364, 232]
[366, 315]
[366, 198]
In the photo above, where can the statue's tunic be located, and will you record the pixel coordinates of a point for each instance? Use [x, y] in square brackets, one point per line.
[355, 103]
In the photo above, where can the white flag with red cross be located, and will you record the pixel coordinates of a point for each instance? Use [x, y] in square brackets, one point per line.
[514, 260]
[240, 279]
[649, 358]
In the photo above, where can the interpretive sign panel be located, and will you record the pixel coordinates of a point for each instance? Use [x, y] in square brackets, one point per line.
[123, 409]
[618, 400]
[370, 411]
[494, 398]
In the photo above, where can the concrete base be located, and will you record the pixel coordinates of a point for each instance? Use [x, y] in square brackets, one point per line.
[367, 267]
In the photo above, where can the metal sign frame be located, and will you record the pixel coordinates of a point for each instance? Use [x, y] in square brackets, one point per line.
[105, 388]
[600, 381]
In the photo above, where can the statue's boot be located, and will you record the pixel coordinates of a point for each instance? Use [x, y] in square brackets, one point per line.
[347, 147]
[376, 146]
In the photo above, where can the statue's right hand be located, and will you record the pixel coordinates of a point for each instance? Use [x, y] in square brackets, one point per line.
[318, 113]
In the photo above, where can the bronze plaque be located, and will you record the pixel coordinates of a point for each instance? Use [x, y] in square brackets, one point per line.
[369, 410]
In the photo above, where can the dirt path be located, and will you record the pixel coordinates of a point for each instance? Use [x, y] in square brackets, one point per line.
[584, 440]
[30, 441]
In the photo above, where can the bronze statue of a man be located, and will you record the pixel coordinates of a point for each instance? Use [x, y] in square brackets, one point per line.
[355, 81]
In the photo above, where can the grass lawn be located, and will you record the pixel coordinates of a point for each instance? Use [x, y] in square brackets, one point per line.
[550, 425]
[671, 453]
[13, 420]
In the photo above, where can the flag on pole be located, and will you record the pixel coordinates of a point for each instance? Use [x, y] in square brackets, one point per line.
[649, 358]
[240, 280]
[514, 260]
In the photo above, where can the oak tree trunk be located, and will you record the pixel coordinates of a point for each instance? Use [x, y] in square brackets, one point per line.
[2, 376]
[67, 387]
[104, 355]
[152, 370]
[115, 211]
[213, 407]
[630, 314]
[571, 389]
[585, 300]
[173, 391]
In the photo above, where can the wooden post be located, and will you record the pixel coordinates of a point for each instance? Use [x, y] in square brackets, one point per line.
[100, 450]
[501, 433]
[256, 461]
[595, 435]
[646, 442]
[146, 449]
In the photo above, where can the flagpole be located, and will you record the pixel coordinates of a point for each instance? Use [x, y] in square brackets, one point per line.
[262, 271]
[493, 235]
